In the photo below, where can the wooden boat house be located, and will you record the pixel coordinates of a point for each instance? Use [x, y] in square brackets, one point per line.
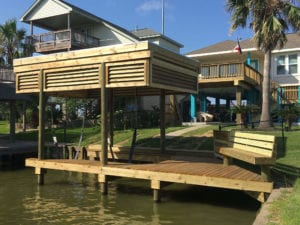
[105, 61]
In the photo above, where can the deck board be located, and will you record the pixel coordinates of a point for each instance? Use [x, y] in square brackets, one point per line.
[195, 173]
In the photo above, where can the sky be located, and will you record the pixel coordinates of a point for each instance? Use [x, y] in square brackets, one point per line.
[193, 23]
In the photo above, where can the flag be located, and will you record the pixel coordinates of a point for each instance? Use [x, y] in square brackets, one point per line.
[238, 48]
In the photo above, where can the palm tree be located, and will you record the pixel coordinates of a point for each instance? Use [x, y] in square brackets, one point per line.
[270, 20]
[11, 40]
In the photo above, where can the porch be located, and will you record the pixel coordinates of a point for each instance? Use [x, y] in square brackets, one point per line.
[231, 74]
[55, 41]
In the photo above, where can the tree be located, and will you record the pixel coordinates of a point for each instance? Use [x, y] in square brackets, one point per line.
[270, 20]
[11, 41]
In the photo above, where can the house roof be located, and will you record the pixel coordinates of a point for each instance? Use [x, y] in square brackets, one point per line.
[225, 47]
[146, 34]
[79, 16]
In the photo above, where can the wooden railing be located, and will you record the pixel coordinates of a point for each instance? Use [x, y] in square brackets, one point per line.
[63, 39]
[232, 70]
[7, 74]
[289, 94]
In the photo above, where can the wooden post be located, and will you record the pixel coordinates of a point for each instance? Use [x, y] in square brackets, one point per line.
[12, 120]
[24, 116]
[227, 161]
[102, 179]
[41, 131]
[111, 123]
[162, 121]
[265, 172]
[238, 103]
[103, 116]
[155, 185]
[111, 117]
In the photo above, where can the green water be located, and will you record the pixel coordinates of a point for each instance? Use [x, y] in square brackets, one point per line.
[72, 198]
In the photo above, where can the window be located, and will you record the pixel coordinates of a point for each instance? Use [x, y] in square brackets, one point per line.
[287, 64]
[293, 65]
[281, 64]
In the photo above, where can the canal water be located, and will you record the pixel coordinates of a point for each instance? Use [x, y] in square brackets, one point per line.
[74, 198]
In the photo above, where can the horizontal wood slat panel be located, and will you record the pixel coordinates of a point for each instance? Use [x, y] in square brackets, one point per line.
[261, 137]
[72, 78]
[126, 73]
[27, 82]
[163, 76]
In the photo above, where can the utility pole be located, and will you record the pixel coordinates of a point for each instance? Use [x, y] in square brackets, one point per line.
[163, 17]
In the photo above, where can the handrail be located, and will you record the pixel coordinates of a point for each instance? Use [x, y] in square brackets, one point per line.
[230, 70]
[67, 37]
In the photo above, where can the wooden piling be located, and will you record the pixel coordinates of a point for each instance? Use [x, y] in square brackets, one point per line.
[162, 121]
[41, 131]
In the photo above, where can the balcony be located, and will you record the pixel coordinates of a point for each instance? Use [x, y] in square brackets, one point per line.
[62, 40]
[228, 73]
[289, 94]
[7, 75]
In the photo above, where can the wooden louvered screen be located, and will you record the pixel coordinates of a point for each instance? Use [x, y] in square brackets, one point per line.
[27, 82]
[165, 77]
[125, 74]
[74, 78]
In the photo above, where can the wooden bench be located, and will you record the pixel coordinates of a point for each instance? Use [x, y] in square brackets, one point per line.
[256, 149]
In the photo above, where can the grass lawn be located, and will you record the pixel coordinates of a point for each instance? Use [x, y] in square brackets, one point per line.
[4, 128]
[285, 210]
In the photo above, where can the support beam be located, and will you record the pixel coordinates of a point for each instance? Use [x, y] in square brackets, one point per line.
[162, 121]
[103, 115]
[155, 185]
[12, 120]
[193, 108]
[41, 131]
[265, 173]
[217, 105]
[102, 179]
[238, 103]
[202, 102]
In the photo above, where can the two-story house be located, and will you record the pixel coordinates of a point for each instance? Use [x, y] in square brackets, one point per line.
[236, 77]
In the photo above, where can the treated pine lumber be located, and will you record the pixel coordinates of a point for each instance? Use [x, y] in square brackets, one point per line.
[252, 142]
[268, 153]
[83, 166]
[250, 157]
[70, 62]
[262, 137]
[170, 66]
[91, 52]
[220, 182]
[164, 54]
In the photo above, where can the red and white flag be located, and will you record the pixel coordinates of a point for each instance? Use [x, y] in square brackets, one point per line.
[238, 48]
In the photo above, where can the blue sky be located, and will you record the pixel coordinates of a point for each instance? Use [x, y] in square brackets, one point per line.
[194, 23]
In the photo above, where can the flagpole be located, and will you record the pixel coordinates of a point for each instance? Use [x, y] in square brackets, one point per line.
[163, 17]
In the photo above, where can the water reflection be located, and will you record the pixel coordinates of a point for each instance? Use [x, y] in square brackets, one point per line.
[72, 198]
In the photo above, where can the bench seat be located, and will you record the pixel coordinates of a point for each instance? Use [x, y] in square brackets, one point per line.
[247, 156]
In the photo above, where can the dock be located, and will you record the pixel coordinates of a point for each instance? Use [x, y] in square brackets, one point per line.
[209, 174]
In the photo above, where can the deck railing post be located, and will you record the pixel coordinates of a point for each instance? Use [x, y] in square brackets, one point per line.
[41, 131]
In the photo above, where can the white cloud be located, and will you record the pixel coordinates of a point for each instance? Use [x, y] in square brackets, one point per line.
[151, 5]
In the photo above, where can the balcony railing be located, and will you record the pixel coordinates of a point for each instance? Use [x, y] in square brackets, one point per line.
[289, 94]
[63, 39]
[7, 74]
[229, 72]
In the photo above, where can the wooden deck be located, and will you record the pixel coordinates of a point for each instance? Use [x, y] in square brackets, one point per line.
[194, 173]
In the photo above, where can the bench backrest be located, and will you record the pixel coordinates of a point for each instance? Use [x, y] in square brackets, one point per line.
[250, 142]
